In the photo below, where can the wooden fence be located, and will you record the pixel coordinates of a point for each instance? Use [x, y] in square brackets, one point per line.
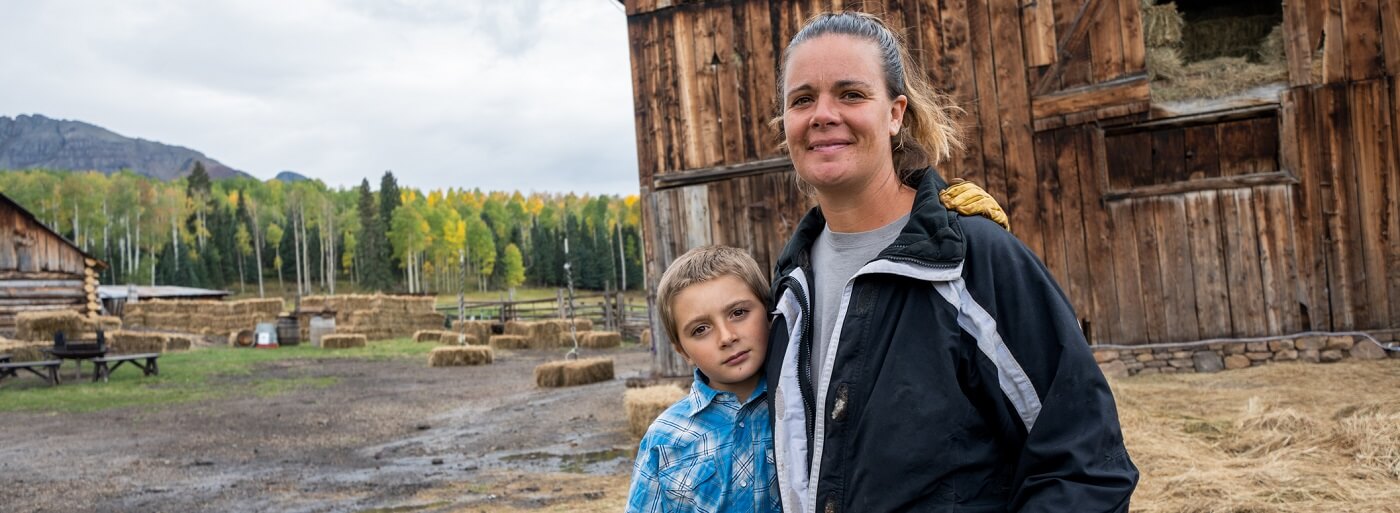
[611, 311]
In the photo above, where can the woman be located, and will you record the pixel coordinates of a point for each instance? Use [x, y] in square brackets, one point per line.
[922, 361]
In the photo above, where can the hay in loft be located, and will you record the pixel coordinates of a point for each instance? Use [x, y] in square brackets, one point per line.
[343, 341]
[509, 342]
[1210, 58]
[1229, 36]
[644, 405]
[600, 339]
[1217, 78]
[1161, 24]
[566, 373]
[459, 356]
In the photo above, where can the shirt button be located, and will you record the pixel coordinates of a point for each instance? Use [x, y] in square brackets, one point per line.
[741, 424]
[744, 484]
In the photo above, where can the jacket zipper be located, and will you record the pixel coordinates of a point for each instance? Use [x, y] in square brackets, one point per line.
[804, 362]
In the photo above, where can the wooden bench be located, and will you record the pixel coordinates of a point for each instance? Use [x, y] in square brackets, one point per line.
[47, 369]
[102, 370]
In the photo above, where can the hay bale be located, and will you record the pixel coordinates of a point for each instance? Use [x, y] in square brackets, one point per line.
[599, 339]
[460, 356]
[480, 329]
[1271, 49]
[24, 350]
[129, 342]
[1226, 36]
[461, 339]
[1162, 25]
[178, 342]
[1164, 63]
[242, 338]
[509, 342]
[644, 405]
[428, 335]
[343, 341]
[565, 373]
[43, 324]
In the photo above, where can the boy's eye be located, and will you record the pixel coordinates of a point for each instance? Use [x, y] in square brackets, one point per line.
[739, 312]
[699, 330]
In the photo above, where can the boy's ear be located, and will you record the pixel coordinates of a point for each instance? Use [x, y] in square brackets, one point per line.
[681, 351]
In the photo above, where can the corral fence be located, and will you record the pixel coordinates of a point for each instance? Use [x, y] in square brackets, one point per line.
[611, 311]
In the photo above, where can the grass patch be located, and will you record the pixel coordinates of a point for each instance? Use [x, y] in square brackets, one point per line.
[198, 375]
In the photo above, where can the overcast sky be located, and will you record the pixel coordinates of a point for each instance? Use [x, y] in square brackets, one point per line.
[532, 95]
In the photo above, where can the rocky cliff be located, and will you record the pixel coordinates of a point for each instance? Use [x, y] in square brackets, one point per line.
[34, 141]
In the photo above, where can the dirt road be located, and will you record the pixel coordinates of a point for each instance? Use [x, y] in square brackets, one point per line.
[386, 436]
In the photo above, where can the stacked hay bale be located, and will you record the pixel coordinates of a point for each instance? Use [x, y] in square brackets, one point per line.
[432, 335]
[644, 405]
[460, 339]
[24, 350]
[377, 317]
[480, 330]
[509, 342]
[1162, 27]
[600, 339]
[40, 326]
[203, 317]
[567, 373]
[343, 341]
[549, 334]
[459, 356]
[130, 342]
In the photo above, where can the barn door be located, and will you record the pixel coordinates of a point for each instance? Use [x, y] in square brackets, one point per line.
[1085, 60]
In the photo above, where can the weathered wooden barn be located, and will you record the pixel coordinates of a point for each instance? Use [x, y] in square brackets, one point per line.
[1267, 216]
[40, 270]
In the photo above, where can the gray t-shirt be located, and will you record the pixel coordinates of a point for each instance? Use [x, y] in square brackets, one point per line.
[835, 259]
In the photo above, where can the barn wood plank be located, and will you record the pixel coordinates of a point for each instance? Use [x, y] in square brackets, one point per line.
[1177, 282]
[704, 70]
[1242, 263]
[1098, 230]
[1264, 157]
[961, 86]
[672, 102]
[1362, 23]
[729, 89]
[1369, 131]
[1271, 283]
[643, 93]
[1127, 155]
[1202, 153]
[1348, 219]
[1299, 112]
[1071, 67]
[1332, 121]
[1131, 327]
[761, 64]
[1072, 149]
[1012, 102]
[1280, 207]
[1106, 41]
[1122, 91]
[1150, 268]
[1334, 59]
[1390, 149]
[1168, 157]
[1134, 45]
[1390, 34]
[1207, 264]
[1048, 218]
[689, 91]
[1298, 45]
[1238, 136]
[1038, 29]
[993, 155]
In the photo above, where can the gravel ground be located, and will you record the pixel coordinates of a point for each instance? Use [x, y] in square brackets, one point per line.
[388, 436]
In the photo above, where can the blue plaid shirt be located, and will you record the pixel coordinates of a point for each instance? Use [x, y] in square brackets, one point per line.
[708, 453]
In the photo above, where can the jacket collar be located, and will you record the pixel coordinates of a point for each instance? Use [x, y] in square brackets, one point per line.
[931, 236]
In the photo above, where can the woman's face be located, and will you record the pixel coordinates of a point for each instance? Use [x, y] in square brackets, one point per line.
[837, 113]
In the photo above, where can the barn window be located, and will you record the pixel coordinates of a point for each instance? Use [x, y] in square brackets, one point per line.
[1237, 148]
[1210, 49]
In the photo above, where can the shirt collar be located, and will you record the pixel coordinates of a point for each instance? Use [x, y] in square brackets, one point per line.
[702, 395]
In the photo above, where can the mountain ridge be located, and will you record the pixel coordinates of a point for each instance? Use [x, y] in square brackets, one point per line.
[32, 141]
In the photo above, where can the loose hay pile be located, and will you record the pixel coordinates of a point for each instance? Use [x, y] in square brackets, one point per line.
[343, 341]
[599, 339]
[377, 317]
[217, 318]
[1210, 58]
[1280, 438]
[509, 342]
[645, 404]
[459, 356]
[567, 373]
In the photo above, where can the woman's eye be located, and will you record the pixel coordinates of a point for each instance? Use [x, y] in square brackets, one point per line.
[801, 100]
[852, 95]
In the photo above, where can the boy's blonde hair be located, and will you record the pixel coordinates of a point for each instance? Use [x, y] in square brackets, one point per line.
[703, 264]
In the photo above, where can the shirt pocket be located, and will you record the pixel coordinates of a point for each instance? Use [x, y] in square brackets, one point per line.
[691, 484]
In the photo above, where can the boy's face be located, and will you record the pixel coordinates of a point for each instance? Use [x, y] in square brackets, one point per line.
[723, 330]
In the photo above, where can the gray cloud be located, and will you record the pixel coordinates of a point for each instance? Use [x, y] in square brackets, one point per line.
[498, 95]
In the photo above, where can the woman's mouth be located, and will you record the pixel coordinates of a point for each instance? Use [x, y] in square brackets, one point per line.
[828, 146]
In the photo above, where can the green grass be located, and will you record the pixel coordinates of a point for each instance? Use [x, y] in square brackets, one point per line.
[197, 375]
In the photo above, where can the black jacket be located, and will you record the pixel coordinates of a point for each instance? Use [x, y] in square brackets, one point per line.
[961, 381]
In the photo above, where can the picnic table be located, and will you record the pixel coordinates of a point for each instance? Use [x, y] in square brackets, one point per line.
[62, 350]
[102, 371]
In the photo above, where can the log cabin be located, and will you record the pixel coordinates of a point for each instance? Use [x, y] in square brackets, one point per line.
[40, 270]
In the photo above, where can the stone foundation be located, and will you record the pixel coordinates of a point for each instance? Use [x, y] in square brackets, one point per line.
[1171, 359]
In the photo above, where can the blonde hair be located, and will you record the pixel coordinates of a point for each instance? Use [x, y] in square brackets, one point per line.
[703, 264]
[928, 134]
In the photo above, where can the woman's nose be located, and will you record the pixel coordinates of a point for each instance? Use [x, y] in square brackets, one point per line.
[824, 113]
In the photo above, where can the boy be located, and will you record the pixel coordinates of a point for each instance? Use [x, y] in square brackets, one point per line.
[713, 450]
